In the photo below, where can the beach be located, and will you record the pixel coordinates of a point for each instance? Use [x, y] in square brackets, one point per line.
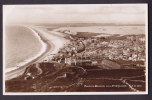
[52, 41]
[51, 44]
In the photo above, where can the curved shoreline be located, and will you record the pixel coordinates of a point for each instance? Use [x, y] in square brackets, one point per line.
[53, 45]
[46, 47]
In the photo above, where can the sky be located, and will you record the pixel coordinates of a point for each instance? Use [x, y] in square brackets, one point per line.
[76, 13]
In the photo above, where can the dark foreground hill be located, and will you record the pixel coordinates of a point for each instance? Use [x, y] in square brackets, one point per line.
[64, 78]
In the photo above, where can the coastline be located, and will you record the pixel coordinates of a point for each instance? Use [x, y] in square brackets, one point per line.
[56, 42]
[23, 63]
[49, 46]
[16, 71]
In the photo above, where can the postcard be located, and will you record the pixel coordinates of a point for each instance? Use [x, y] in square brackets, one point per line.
[75, 49]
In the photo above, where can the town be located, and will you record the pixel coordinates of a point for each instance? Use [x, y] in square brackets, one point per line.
[84, 50]
[90, 60]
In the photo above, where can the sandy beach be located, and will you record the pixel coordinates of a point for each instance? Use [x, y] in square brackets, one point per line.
[51, 44]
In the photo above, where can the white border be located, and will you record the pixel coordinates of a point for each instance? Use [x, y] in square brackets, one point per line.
[3, 19]
[80, 93]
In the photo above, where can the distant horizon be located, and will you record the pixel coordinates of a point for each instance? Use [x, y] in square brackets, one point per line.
[75, 23]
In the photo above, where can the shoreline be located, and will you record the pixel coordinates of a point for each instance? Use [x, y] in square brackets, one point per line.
[53, 45]
[43, 49]
[46, 47]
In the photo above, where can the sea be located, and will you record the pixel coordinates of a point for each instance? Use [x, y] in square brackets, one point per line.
[20, 45]
[123, 30]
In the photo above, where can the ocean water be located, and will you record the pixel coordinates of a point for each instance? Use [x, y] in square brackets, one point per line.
[20, 44]
[109, 29]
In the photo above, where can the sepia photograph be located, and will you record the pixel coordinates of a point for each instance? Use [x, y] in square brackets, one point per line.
[75, 49]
